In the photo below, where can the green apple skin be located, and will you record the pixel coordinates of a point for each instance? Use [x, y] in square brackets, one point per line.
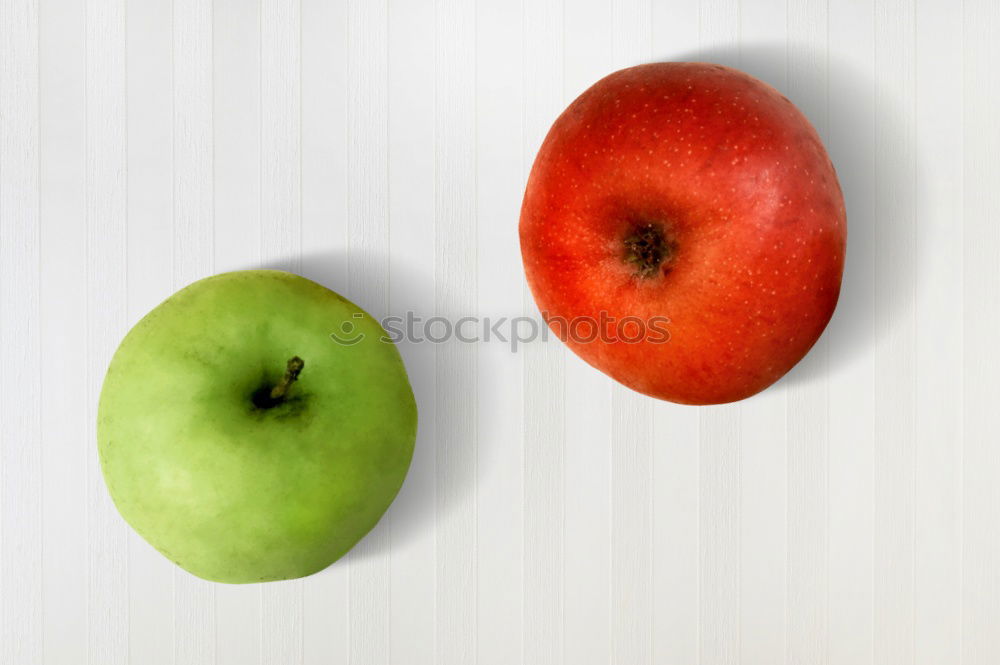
[233, 492]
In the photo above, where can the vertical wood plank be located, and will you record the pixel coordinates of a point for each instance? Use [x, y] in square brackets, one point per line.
[368, 147]
[720, 443]
[852, 338]
[455, 289]
[20, 404]
[325, 159]
[236, 65]
[807, 388]
[631, 542]
[193, 204]
[149, 279]
[677, 557]
[281, 247]
[411, 202]
[981, 359]
[65, 362]
[500, 416]
[106, 205]
[938, 373]
[193, 258]
[543, 373]
[237, 207]
[894, 299]
[324, 231]
[280, 134]
[719, 531]
[676, 452]
[631, 433]
[587, 604]
[368, 280]
[676, 563]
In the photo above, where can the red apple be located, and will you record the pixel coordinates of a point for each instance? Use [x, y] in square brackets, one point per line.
[696, 194]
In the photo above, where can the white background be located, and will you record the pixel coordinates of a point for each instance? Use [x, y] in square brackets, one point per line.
[848, 515]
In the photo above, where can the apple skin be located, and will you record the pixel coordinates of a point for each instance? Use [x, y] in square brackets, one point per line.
[233, 492]
[751, 214]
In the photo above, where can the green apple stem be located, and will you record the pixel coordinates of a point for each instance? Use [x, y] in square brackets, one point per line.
[292, 371]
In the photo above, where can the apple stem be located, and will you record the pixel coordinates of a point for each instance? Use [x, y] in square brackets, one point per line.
[647, 248]
[292, 371]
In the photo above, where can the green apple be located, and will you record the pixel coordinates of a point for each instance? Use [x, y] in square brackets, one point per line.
[245, 436]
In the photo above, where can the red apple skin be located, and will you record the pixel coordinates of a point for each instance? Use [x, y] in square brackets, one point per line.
[745, 193]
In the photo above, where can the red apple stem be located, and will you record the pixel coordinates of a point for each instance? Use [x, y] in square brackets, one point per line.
[292, 371]
[647, 249]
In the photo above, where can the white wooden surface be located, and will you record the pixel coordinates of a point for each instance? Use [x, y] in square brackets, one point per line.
[848, 515]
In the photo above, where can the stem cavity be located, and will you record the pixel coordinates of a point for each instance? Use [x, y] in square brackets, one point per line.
[647, 248]
[266, 398]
